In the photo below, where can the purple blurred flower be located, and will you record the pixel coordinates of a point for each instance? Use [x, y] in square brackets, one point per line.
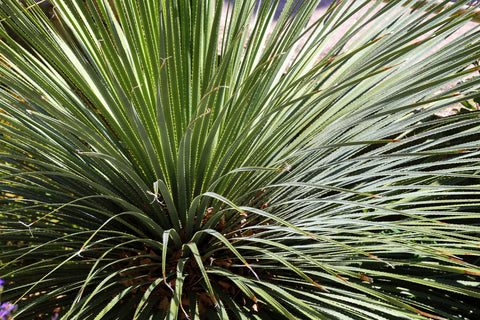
[6, 310]
[55, 316]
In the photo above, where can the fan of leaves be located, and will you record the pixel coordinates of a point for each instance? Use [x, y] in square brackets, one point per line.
[214, 160]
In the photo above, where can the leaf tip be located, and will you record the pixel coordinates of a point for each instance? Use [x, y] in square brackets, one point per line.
[320, 287]
[365, 278]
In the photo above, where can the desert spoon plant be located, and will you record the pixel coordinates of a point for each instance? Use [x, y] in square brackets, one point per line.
[202, 159]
